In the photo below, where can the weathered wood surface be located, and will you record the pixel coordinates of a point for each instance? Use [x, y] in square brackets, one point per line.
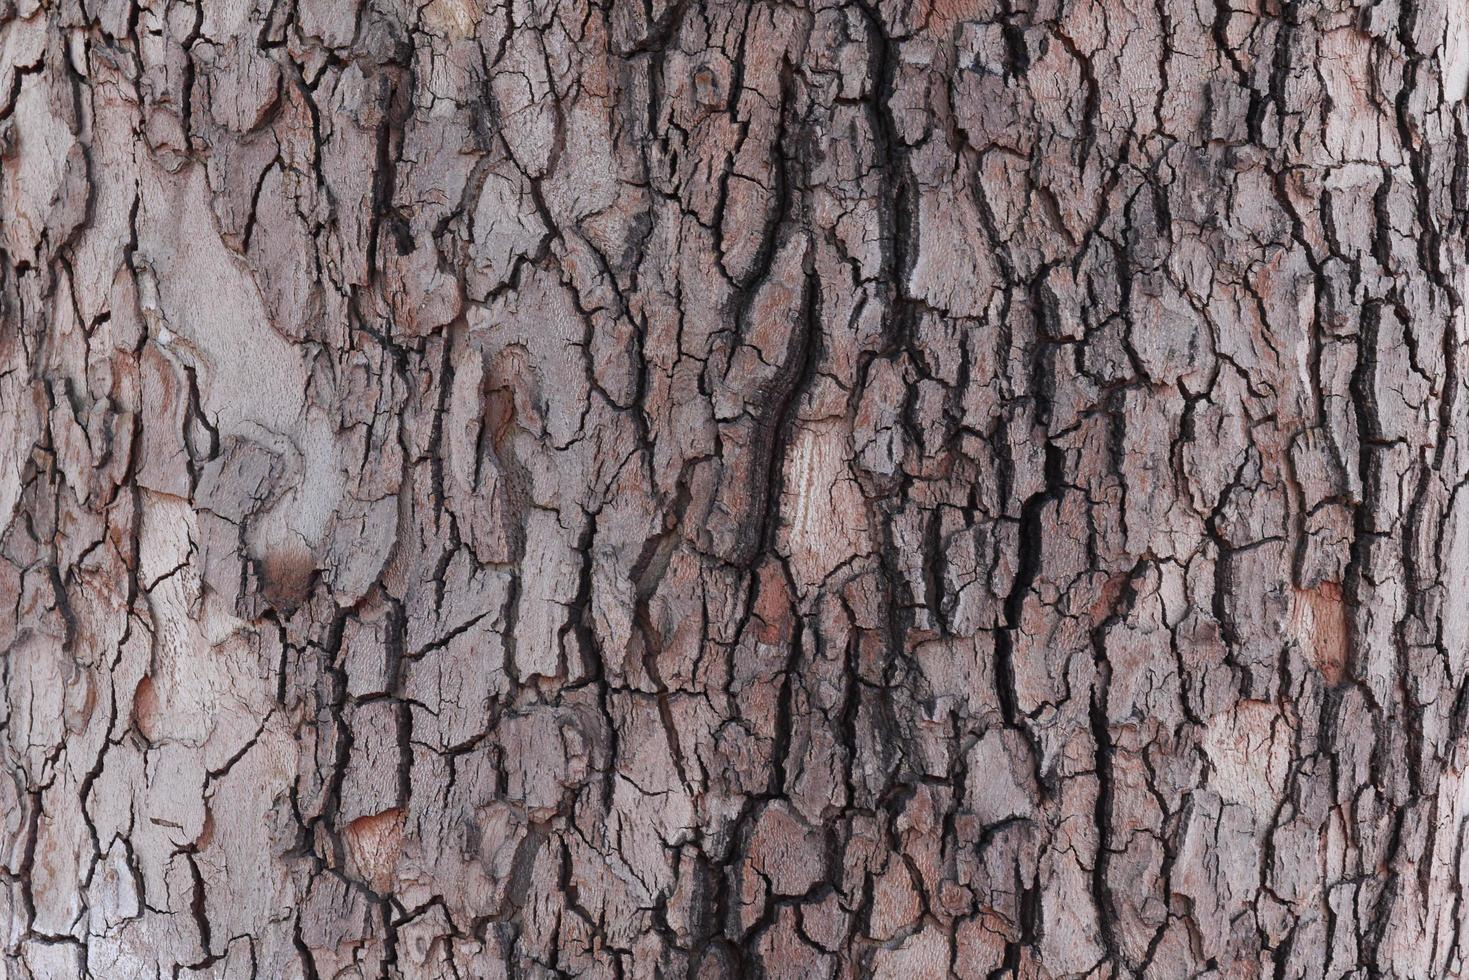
[882, 489]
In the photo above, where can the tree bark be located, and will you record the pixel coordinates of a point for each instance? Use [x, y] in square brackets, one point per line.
[961, 488]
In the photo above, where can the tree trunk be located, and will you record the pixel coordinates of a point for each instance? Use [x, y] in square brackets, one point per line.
[961, 488]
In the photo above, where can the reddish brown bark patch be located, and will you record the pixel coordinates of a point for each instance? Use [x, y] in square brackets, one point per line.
[285, 577]
[373, 845]
[773, 606]
[1319, 625]
[943, 15]
[206, 831]
[145, 709]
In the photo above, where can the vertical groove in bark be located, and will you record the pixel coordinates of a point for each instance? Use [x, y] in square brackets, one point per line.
[956, 488]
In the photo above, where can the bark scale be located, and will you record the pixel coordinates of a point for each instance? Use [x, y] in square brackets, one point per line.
[963, 487]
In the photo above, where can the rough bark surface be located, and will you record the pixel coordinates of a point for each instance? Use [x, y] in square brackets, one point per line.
[711, 489]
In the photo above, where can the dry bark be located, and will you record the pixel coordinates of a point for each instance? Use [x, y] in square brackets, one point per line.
[883, 489]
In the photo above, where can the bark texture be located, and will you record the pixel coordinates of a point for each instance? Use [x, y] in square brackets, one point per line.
[712, 489]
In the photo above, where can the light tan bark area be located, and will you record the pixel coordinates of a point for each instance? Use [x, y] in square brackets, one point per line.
[658, 488]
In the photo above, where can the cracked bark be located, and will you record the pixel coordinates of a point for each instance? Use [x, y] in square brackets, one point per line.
[968, 487]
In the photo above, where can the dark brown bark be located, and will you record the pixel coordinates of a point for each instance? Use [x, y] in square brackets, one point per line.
[883, 489]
